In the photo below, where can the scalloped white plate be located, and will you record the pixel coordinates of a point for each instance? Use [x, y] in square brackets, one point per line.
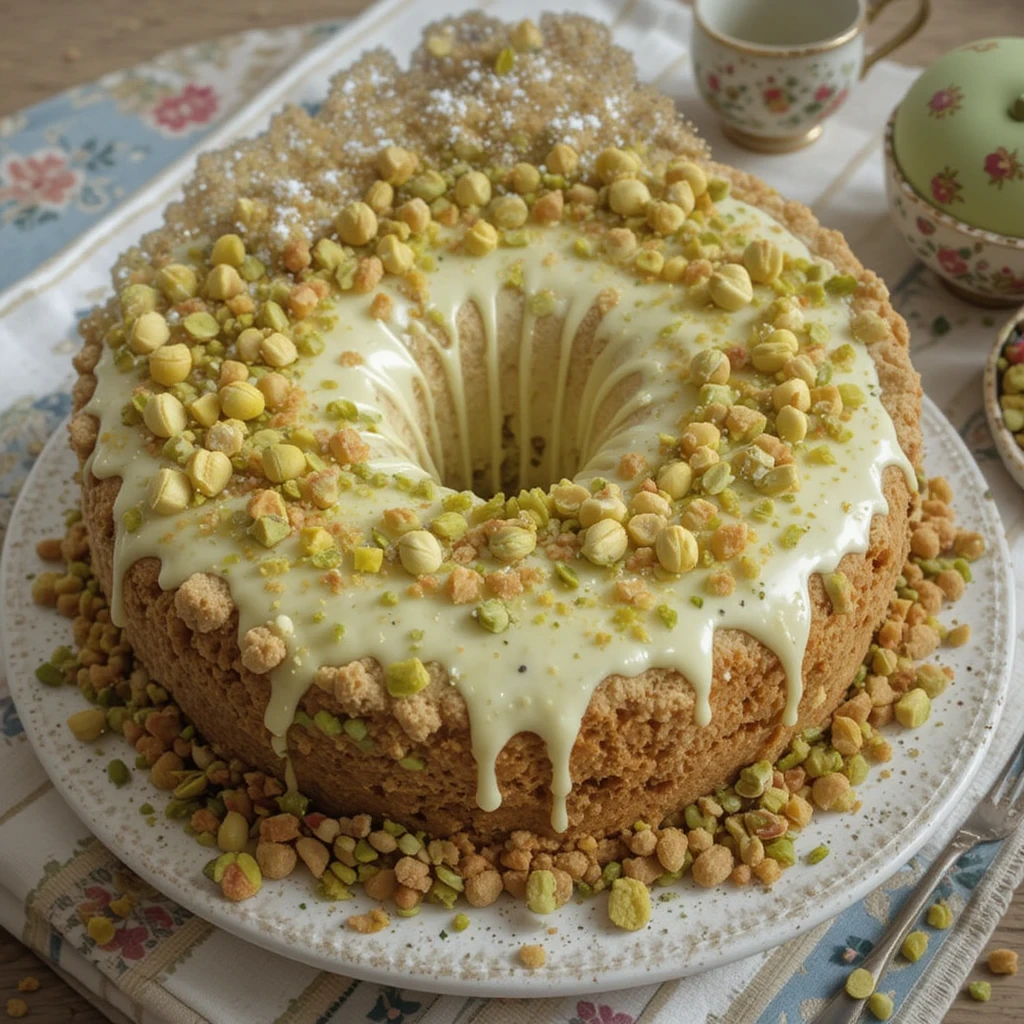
[697, 930]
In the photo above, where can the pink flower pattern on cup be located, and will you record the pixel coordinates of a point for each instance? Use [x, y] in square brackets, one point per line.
[782, 100]
[952, 262]
[776, 100]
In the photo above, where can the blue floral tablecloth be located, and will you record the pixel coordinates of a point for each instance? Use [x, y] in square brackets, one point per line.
[69, 160]
[67, 163]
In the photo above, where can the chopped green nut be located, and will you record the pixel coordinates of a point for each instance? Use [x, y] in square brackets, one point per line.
[119, 773]
[367, 559]
[781, 851]
[755, 779]
[88, 725]
[798, 751]
[443, 894]
[669, 616]
[822, 455]
[493, 616]
[293, 803]
[505, 61]
[540, 892]
[450, 526]
[567, 575]
[841, 284]
[931, 679]
[791, 535]
[856, 769]
[344, 872]
[840, 592]
[341, 409]
[880, 1005]
[939, 915]
[409, 844]
[328, 724]
[817, 855]
[612, 870]
[460, 922]
[364, 853]
[333, 888]
[915, 945]
[629, 904]
[860, 984]
[132, 518]
[852, 395]
[270, 530]
[774, 799]
[718, 189]
[405, 678]
[355, 729]
[980, 991]
[913, 708]
[49, 675]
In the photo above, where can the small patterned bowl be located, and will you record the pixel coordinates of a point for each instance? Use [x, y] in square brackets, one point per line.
[1006, 444]
[980, 266]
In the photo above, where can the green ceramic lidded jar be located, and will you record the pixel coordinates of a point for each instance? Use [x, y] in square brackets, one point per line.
[958, 135]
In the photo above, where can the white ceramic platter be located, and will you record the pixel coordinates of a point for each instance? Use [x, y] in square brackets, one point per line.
[695, 930]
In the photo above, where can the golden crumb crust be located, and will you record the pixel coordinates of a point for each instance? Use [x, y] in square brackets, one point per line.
[639, 753]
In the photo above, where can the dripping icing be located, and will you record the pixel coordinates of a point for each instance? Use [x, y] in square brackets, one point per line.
[538, 676]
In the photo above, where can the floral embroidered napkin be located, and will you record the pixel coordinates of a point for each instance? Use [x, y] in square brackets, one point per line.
[65, 165]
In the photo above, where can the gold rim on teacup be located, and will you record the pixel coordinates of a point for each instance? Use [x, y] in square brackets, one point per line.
[866, 15]
[769, 50]
[863, 14]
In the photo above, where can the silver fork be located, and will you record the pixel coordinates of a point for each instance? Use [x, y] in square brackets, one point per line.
[999, 813]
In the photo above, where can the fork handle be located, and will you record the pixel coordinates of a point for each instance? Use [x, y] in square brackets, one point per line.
[842, 1008]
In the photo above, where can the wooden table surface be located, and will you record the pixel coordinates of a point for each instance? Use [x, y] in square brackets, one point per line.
[102, 35]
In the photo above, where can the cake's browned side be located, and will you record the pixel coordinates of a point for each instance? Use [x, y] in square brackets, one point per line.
[639, 753]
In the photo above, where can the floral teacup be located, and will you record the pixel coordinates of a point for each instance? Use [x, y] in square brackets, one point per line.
[775, 69]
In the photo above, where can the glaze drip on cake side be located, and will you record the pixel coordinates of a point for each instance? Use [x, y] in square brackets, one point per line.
[538, 674]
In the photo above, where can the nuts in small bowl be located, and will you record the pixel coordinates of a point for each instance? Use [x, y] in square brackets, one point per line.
[1004, 395]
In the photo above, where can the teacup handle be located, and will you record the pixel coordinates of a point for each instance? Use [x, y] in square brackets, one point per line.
[907, 32]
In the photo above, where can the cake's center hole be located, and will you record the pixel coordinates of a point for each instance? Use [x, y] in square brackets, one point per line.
[515, 404]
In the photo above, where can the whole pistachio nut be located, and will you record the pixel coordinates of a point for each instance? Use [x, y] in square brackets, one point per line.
[730, 287]
[763, 260]
[605, 542]
[511, 543]
[170, 492]
[420, 553]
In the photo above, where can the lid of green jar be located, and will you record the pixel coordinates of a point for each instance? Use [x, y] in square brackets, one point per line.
[959, 135]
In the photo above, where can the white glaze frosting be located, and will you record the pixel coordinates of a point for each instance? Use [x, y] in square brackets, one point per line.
[539, 675]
